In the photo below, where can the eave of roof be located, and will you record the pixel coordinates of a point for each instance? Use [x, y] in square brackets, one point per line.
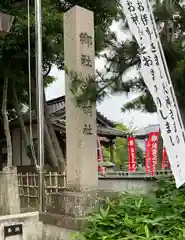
[56, 106]
[56, 109]
[101, 131]
[62, 100]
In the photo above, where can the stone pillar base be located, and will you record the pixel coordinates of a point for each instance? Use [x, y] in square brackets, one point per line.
[72, 204]
[70, 209]
[62, 221]
[11, 190]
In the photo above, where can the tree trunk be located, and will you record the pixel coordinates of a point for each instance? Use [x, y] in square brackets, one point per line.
[50, 155]
[55, 142]
[6, 123]
[50, 135]
[29, 149]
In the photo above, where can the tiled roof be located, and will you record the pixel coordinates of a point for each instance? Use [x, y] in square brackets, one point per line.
[58, 104]
[143, 132]
[56, 108]
[101, 130]
[105, 127]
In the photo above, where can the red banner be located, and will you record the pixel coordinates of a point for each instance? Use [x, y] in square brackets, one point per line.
[153, 141]
[132, 165]
[165, 160]
[147, 155]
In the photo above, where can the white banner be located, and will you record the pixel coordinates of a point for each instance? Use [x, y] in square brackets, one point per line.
[156, 76]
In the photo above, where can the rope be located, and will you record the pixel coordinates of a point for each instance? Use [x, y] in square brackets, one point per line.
[30, 89]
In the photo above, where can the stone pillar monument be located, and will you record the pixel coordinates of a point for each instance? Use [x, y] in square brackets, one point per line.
[81, 138]
[70, 208]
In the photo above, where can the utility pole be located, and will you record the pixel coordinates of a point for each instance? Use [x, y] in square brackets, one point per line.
[40, 99]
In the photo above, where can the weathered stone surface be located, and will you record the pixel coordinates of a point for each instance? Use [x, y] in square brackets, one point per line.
[127, 184]
[10, 195]
[35, 230]
[74, 204]
[63, 221]
[32, 229]
[52, 232]
[70, 209]
[81, 130]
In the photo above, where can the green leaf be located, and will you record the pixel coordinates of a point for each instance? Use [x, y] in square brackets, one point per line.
[147, 232]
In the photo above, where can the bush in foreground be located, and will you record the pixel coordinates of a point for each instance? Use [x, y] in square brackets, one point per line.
[160, 216]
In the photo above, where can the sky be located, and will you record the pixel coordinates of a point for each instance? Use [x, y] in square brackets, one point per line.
[111, 106]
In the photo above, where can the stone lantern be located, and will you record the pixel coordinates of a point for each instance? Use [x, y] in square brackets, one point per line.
[5, 23]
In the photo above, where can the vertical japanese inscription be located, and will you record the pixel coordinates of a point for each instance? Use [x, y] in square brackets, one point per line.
[155, 73]
[87, 129]
[86, 39]
[86, 61]
[87, 110]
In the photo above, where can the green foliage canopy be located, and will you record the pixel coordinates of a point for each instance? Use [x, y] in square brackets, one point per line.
[123, 56]
[14, 47]
[121, 150]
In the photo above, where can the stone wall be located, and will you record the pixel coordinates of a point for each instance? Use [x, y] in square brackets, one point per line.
[33, 229]
[51, 232]
[137, 182]
[126, 184]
